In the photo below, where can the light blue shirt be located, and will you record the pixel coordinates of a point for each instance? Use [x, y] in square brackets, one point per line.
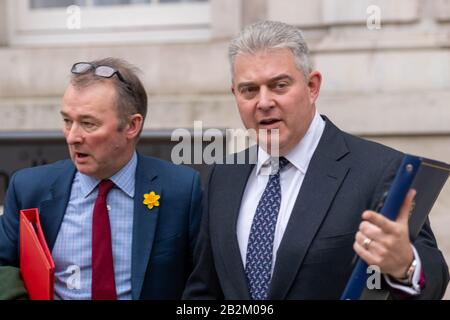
[72, 251]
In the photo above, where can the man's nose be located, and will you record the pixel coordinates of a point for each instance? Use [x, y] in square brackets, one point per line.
[74, 134]
[266, 101]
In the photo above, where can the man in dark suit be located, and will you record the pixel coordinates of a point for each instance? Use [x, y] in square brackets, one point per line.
[119, 225]
[290, 230]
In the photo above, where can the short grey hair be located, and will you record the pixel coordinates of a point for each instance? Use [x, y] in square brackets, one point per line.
[266, 35]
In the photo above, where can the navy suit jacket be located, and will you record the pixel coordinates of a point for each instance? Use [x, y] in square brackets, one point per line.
[346, 176]
[163, 238]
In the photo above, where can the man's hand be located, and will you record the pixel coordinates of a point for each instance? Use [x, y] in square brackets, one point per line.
[385, 243]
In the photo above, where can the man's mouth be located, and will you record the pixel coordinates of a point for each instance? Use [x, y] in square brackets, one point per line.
[269, 121]
[80, 155]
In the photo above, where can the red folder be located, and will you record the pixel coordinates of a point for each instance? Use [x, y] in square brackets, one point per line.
[36, 264]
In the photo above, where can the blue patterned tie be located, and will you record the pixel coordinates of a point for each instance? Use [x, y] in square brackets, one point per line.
[260, 243]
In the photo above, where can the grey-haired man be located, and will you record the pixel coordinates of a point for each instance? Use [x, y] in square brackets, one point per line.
[291, 235]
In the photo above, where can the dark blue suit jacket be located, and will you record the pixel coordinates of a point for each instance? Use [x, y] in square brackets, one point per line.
[163, 238]
[346, 176]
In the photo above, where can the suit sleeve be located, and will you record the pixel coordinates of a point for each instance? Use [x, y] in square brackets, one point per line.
[9, 227]
[433, 263]
[203, 283]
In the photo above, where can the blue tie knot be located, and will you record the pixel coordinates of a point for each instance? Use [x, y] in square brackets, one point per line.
[277, 164]
[283, 162]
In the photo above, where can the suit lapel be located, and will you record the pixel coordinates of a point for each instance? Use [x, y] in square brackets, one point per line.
[51, 212]
[321, 183]
[229, 204]
[144, 223]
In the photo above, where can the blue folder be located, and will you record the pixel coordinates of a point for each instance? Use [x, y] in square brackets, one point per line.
[427, 177]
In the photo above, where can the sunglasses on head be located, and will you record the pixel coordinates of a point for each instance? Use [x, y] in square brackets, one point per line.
[101, 71]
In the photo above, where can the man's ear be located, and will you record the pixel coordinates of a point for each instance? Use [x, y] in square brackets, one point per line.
[232, 90]
[314, 82]
[134, 126]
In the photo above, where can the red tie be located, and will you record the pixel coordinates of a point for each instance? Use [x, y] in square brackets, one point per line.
[103, 283]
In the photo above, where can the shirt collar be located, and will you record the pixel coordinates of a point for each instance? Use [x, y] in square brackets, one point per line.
[124, 179]
[301, 154]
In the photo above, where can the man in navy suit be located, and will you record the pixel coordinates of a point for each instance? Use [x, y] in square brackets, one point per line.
[288, 226]
[119, 225]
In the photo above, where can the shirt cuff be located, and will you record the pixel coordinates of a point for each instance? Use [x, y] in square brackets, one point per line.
[418, 279]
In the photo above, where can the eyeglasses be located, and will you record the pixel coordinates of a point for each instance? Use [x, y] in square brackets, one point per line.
[101, 71]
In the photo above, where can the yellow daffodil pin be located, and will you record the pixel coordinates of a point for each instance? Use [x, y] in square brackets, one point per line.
[151, 199]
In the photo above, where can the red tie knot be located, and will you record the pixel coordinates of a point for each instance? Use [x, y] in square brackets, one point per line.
[104, 187]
